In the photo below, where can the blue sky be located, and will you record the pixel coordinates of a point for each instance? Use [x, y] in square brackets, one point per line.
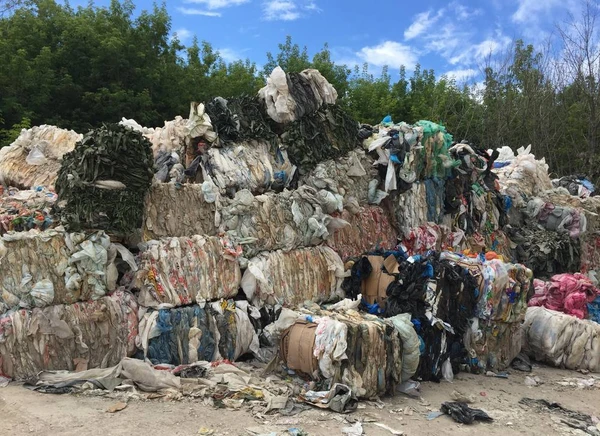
[451, 37]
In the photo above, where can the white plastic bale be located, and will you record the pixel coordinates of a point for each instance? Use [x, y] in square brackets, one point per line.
[38, 269]
[93, 334]
[561, 340]
[282, 221]
[294, 277]
[43, 146]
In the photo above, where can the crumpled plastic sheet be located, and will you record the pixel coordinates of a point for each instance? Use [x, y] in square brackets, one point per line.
[171, 137]
[561, 340]
[178, 210]
[567, 293]
[184, 270]
[35, 157]
[493, 346]
[184, 335]
[93, 334]
[38, 269]
[524, 176]
[27, 209]
[346, 344]
[281, 221]
[369, 229]
[348, 176]
[251, 165]
[410, 208]
[291, 278]
[281, 99]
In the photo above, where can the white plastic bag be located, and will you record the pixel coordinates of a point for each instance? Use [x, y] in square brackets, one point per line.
[447, 372]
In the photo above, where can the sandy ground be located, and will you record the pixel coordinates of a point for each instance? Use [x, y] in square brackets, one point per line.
[23, 412]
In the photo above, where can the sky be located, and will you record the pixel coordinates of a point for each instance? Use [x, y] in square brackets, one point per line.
[453, 38]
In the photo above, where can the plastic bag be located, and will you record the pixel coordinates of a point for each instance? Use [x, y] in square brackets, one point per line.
[447, 372]
[35, 157]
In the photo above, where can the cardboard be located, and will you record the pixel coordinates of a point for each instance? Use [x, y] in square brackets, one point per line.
[375, 286]
[297, 347]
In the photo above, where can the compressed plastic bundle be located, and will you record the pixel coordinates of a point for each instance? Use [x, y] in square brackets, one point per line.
[103, 182]
[339, 346]
[184, 335]
[184, 270]
[93, 334]
[291, 278]
[590, 253]
[561, 340]
[289, 97]
[25, 210]
[348, 176]
[38, 269]
[492, 347]
[567, 293]
[280, 221]
[523, 176]
[239, 119]
[369, 229]
[178, 210]
[545, 252]
[576, 185]
[249, 165]
[34, 158]
[169, 138]
[410, 208]
[328, 133]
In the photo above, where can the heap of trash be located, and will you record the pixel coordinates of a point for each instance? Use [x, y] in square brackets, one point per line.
[276, 229]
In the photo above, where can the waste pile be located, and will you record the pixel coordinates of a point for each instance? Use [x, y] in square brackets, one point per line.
[277, 228]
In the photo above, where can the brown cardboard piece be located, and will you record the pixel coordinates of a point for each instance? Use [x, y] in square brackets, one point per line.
[375, 286]
[297, 347]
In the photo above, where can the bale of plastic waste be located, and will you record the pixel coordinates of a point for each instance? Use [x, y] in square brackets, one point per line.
[281, 221]
[34, 158]
[561, 340]
[338, 346]
[523, 176]
[293, 277]
[102, 183]
[254, 165]
[184, 270]
[410, 208]
[369, 229]
[23, 210]
[93, 334]
[38, 269]
[240, 119]
[184, 335]
[349, 176]
[492, 346]
[171, 137]
[289, 97]
[179, 210]
[567, 293]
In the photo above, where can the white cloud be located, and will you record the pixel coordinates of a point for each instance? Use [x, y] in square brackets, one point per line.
[229, 54]
[217, 4]
[419, 25]
[461, 75]
[391, 53]
[529, 10]
[288, 10]
[183, 34]
[193, 11]
[479, 52]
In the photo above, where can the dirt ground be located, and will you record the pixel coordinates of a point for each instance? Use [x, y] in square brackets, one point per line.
[23, 412]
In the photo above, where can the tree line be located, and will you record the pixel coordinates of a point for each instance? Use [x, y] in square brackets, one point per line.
[79, 67]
